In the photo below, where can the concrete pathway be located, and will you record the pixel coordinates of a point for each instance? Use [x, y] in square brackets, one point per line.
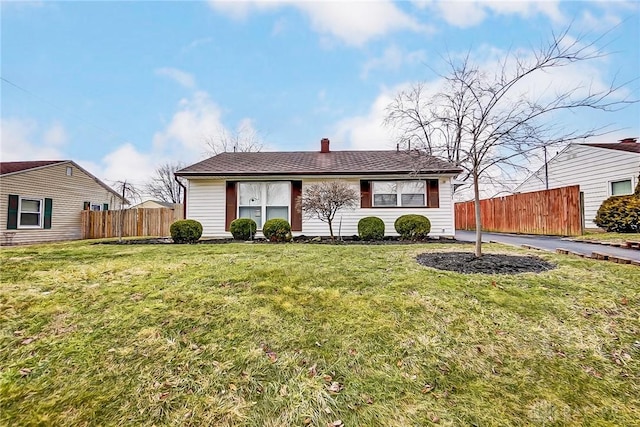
[554, 244]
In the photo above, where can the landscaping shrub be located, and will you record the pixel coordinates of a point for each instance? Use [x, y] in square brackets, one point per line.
[186, 231]
[243, 228]
[277, 230]
[413, 226]
[371, 228]
[620, 214]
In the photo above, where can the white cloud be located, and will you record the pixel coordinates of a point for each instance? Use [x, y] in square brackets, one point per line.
[197, 119]
[56, 135]
[196, 44]
[353, 22]
[127, 163]
[181, 77]
[393, 58]
[21, 139]
[367, 131]
[465, 13]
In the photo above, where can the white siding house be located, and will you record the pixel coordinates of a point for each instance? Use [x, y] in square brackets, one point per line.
[601, 171]
[41, 201]
[266, 185]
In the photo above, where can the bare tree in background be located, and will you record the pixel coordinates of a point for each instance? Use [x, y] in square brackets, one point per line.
[489, 123]
[325, 199]
[129, 193]
[244, 139]
[163, 185]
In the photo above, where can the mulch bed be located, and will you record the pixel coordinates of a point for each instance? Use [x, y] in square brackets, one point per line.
[466, 262]
[347, 240]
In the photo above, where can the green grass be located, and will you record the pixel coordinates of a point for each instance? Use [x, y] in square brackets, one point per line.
[610, 237]
[290, 334]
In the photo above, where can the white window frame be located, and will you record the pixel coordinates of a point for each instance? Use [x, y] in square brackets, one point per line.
[263, 197]
[630, 179]
[69, 171]
[399, 193]
[40, 213]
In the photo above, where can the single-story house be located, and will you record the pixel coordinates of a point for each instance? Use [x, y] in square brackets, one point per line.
[156, 204]
[265, 185]
[41, 201]
[600, 169]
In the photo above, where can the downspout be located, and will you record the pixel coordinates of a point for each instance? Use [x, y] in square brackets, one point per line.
[184, 197]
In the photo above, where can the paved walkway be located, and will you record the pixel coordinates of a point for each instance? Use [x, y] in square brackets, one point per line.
[550, 243]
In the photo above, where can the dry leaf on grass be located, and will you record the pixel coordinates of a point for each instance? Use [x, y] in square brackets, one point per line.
[427, 388]
[335, 387]
[313, 370]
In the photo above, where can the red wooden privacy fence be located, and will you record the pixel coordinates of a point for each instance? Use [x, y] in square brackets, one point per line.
[135, 222]
[550, 212]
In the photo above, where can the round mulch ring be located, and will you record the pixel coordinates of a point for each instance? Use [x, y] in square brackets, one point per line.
[466, 262]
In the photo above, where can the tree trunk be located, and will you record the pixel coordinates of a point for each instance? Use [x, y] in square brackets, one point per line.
[331, 231]
[476, 199]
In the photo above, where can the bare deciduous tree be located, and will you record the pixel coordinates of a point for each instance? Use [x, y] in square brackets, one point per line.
[489, 122]
[244, 139]
[129, 193]
[163, 185]
[325, 199]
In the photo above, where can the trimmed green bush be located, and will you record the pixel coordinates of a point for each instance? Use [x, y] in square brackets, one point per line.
[620, 214]
[277, 230]
[185, 231]
[412, 226]
[371, 228]
[243, 228]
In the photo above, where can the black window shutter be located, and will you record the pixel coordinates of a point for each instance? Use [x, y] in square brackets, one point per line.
[48, 210]
[105, 207]
[12, 214]
[86, 206]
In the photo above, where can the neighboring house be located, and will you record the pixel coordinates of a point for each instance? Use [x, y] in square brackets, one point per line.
[601, 170]
[267, 185]
[155, 204]
[41, 200]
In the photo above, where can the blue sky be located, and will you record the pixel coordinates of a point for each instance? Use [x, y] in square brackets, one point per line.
[122, 87]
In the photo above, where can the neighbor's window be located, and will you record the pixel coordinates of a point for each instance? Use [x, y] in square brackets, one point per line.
[69, 171]
[262, 201]
[619, 188]
[96, 207]
[30, 213]
[399, 193]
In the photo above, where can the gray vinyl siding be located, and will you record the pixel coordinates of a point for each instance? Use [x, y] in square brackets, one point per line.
[68, 194]
[206, 202]
[592, 168]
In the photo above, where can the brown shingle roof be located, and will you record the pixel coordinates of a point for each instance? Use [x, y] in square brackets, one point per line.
[11, 167]
[631, 147]
[316, 163]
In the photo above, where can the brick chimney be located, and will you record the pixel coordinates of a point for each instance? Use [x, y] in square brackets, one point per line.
[324, 145]
[629, 141]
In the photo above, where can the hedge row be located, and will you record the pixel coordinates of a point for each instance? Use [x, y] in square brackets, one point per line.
[414, 227]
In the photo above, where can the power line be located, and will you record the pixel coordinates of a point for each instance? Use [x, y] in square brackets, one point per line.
[59, 108]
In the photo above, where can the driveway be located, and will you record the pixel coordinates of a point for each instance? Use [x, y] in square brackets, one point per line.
[550, 243]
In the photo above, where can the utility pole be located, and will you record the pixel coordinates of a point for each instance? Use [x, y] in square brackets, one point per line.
[546, 169]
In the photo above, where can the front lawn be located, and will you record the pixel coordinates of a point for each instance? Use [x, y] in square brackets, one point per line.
[294, 334]
[610, 237]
